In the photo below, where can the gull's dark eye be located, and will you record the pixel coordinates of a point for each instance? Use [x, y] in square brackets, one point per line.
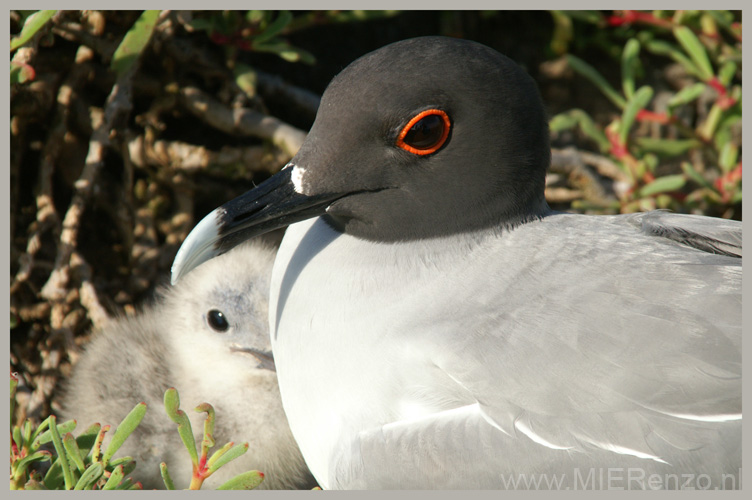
[425, 133]
[217, 320]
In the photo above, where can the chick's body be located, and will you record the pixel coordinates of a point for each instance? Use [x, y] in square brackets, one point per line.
[209, 338]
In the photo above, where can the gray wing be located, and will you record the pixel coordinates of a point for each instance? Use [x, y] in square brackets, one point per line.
[611, 334]
[459, 449]
[709, 234]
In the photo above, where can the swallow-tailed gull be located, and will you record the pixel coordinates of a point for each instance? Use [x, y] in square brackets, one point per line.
[436, 325]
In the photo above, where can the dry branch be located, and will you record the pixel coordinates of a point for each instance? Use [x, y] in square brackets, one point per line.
[584, 170]
[274, 85]
[242, 121]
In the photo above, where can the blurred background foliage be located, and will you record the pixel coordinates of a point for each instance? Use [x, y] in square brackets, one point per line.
[127, 127]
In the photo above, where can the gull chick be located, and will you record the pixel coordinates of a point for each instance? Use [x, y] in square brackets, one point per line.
[209, 338]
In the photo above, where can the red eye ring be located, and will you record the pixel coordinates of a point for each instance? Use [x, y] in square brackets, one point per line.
[435, 145]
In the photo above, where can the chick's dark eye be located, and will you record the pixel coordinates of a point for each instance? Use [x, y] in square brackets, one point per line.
[425, 133]
[217, 320]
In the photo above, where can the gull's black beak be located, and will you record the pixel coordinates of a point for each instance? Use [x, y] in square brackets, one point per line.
[271, 205]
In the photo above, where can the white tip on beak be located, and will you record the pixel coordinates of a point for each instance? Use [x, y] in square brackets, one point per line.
[198, 247]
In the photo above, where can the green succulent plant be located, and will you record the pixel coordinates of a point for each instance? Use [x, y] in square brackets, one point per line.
[78, 463]
[707, 45]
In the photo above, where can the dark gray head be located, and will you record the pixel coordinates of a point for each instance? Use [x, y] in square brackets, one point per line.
[381, 170]
[491, 167]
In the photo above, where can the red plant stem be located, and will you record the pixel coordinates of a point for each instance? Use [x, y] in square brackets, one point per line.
[680, 197]
[634, 16]
[236, 40]
[649, 116]
[717, 85]
[724, 100]
[202, 465]
[728, 180]
[736, 31]
[200, 472]
[618, 150]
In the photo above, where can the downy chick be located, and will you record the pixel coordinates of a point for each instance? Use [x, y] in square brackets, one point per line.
[209, 338]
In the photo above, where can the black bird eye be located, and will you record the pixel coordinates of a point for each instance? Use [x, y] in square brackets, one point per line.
[425, 133]
[217, 320]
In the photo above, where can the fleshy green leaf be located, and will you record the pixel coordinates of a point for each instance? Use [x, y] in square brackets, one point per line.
[246, 481]
[256, 16]
[282, 20]
[588, 16]
[166, 476]
[687, 95]
[630, 61]
[286, 52]
[128, 484]
[208, 440]
[724, 132]
[62, 455]
[231, 454]
[97, 449]
[172, 407]
[650, 160]
[729, 155]
[727, 72]
[37, 456]
[246, 78]
[27, 431]
[668, 147]
[53, 478]
[659, 47]
[33, 23]
[693, 174]
[18, 437]
[127, 463]
[664, 184]
[722, 17]
[40, 429]
[695, 49]
[640, 99]
[217, 454]
[87, 438]
[562, 121]
[90, 476]
[294, 54]
[574, 117]
[46, 436]
[596, 78]
[74, 454]
[126, 427]
[562, 34]
[134, 42]
[737, 196]
[708, 127]
[115, 477]
[21, 73]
